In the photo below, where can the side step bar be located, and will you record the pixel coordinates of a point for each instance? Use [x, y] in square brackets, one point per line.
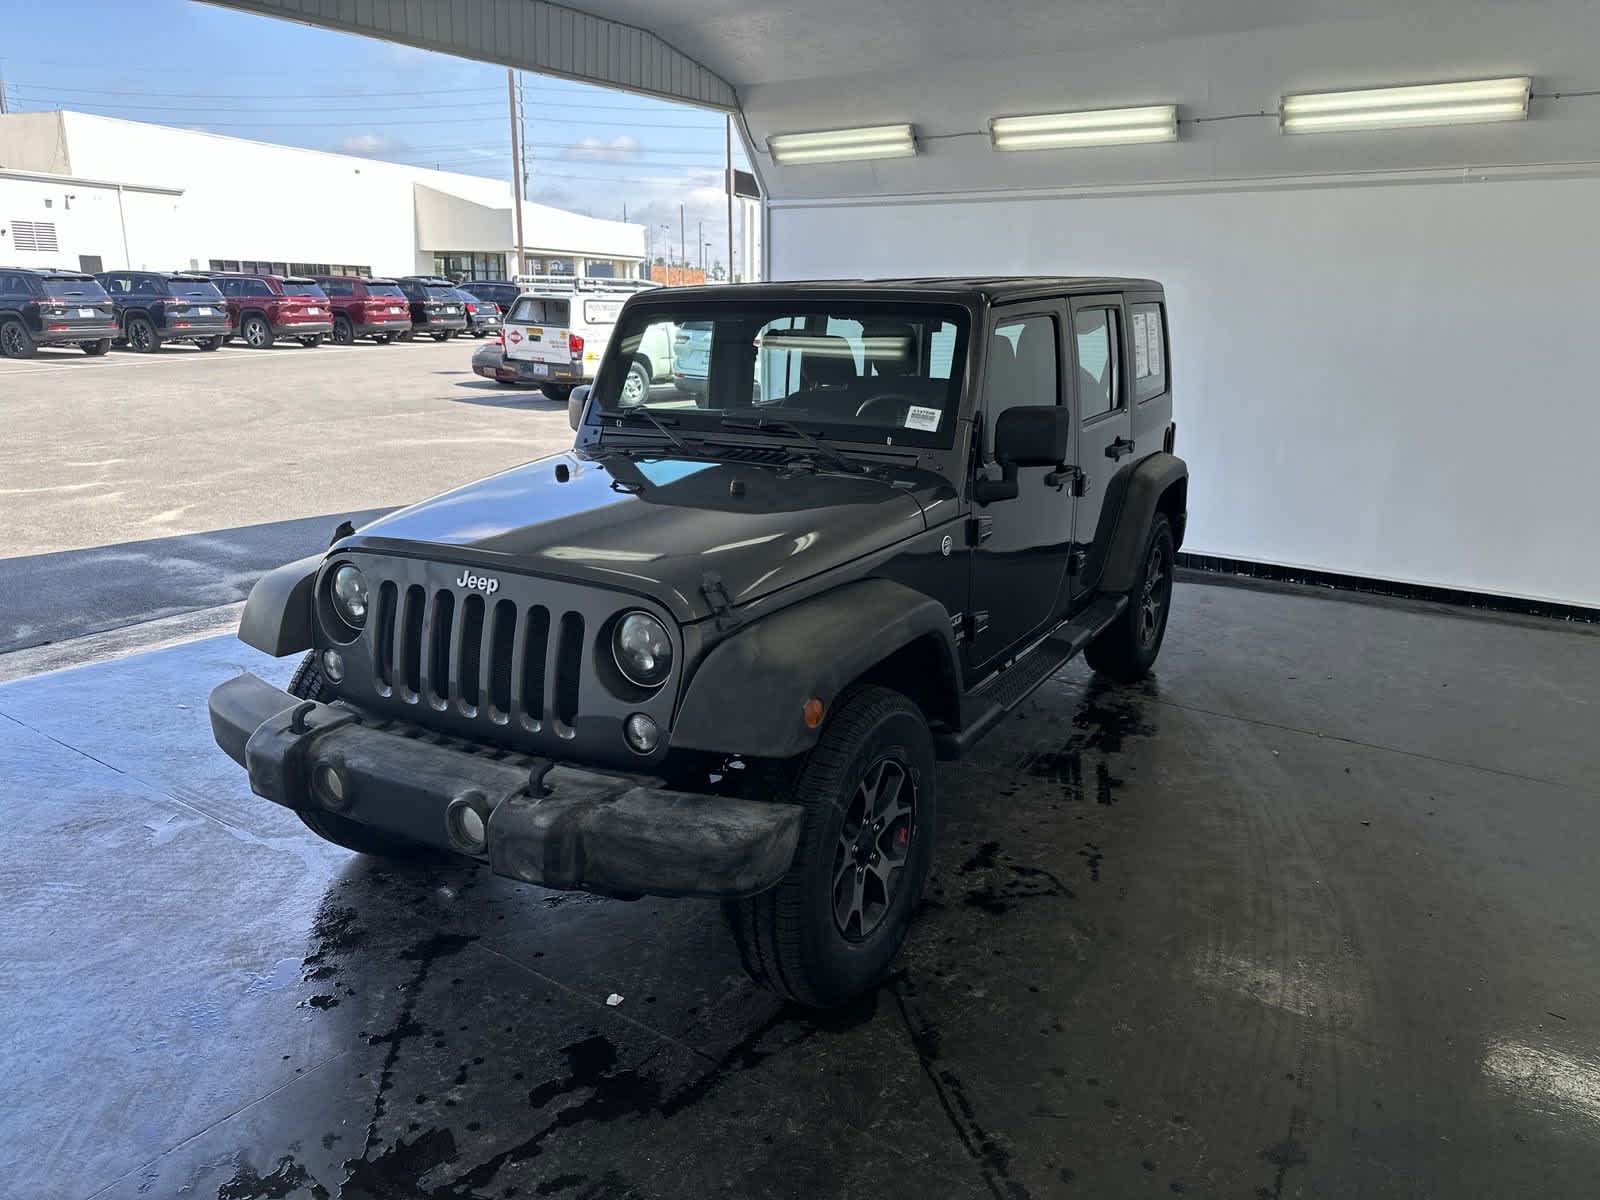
[983, 707]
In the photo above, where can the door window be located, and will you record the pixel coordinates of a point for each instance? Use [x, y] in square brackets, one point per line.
[1023, 358]
[1099, 361]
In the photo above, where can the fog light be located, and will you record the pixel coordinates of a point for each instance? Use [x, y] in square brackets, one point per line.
[467, 822]
[333, 665]
[641, 733]
[331, 787]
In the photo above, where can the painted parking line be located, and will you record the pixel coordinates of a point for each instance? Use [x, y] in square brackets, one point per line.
[15, 368]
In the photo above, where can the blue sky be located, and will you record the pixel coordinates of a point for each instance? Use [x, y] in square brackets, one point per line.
[178, 62]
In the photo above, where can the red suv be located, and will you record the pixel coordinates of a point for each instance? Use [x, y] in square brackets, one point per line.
[374, 308]
[264, 308]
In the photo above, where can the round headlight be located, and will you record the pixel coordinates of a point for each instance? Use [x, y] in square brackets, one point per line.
[642, 649]
[349, 593]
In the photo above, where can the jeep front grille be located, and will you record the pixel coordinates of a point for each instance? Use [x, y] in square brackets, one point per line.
[477, 657]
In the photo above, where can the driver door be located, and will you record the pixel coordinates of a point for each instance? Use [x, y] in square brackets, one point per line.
[1019, 547]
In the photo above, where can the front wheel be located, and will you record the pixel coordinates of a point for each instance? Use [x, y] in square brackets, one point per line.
[831, 927]
[96, 348]
[307, 683]
[1126, 649]
[382, 339]
[312, 342]
[559, 392]
[442, 336]
[210, 343]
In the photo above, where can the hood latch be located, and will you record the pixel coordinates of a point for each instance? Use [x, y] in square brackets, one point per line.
[716, 594]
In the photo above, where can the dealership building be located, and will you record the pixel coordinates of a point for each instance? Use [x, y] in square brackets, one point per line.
[93, 192]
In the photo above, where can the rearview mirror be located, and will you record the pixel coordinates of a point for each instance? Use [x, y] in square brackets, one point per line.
[577, 399]
[1030, 435]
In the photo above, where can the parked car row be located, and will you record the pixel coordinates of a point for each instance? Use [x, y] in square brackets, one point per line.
[145, 310]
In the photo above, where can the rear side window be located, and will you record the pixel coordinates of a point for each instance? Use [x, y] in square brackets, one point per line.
[1099, 348]
[601, 312]
[1147, 331]
[339, 287]
[257, 287]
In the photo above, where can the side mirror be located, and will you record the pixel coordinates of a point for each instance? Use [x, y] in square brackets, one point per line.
[1030, 435]
[577, 401]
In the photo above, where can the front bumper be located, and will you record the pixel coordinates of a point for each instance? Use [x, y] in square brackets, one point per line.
[559, 827]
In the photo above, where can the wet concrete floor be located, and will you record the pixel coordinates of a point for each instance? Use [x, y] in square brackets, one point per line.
[1312, 912]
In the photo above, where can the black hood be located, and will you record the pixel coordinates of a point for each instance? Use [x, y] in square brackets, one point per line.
[658, 525]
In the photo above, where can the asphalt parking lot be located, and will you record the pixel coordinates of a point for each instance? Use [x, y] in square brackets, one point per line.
[138, 486]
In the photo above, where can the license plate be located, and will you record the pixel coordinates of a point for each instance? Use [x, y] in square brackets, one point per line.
[86, 312]
[204, 312]
[313, 311]
[539, 369]
[395, 310]
[452, 309]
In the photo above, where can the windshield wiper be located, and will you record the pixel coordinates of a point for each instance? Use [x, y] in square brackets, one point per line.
[635, 413]
[784, 429]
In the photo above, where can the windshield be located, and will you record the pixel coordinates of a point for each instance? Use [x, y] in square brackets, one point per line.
[194, 289]
[856, 372]
[76, 288]
[303, 287]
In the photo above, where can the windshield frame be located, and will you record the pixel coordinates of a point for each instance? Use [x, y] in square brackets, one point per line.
[701, 422]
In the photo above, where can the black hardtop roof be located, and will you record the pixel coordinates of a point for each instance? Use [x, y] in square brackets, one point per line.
[994, 289]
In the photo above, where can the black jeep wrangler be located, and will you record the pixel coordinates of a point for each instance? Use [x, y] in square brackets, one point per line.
[717, 647]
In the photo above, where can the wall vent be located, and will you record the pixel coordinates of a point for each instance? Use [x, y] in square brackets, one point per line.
[37, 236]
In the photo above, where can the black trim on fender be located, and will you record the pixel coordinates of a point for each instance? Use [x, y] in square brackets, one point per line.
[1153, 476]
[747, 695]
[277, 615]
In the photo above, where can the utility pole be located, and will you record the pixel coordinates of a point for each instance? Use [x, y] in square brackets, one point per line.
[702, 251]
[522, 126]
[683, 243]
[2, 88]
[516, 173]
[727, 183]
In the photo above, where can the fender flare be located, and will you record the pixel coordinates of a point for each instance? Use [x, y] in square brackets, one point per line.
[1146, 483]
[277, 614]
[747, 694]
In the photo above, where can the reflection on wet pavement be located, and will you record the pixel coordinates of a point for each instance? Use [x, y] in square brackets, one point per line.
[1240, 930]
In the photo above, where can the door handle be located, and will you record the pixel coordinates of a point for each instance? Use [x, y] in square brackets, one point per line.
[1119, 447]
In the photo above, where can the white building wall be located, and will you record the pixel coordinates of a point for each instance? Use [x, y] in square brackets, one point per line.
[88, 222]
[1381, 340]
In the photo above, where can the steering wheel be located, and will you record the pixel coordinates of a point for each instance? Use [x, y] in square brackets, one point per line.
[891, 404]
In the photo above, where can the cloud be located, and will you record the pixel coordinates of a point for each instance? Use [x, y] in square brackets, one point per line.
[370, 145]
[591, 149]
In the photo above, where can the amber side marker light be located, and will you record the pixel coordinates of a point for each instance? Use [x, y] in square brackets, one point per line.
[812, 712]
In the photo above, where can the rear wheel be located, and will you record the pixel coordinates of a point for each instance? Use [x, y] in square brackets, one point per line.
[442, 335]
[211, 343]
[344, 334]
[307, 683]
[1127, 648]
[556, 391]
[312, 342]
[830, 928]
[14, 339]
[257, 333]
[142, 336]
[96, 348]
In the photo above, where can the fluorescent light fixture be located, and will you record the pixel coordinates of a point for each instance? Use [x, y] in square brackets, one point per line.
[1101, 127]
[843, 145]
[1406, 107]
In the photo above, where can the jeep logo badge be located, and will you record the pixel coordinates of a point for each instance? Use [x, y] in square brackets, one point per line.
[469, 580]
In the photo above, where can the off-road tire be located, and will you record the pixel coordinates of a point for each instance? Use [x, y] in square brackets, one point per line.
[789, 938]
[307, 683]
[15, 341]
[344, 333]
[1126, 649]
[142, 335]
[211, 343]
[257, 332]
[95, 348]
